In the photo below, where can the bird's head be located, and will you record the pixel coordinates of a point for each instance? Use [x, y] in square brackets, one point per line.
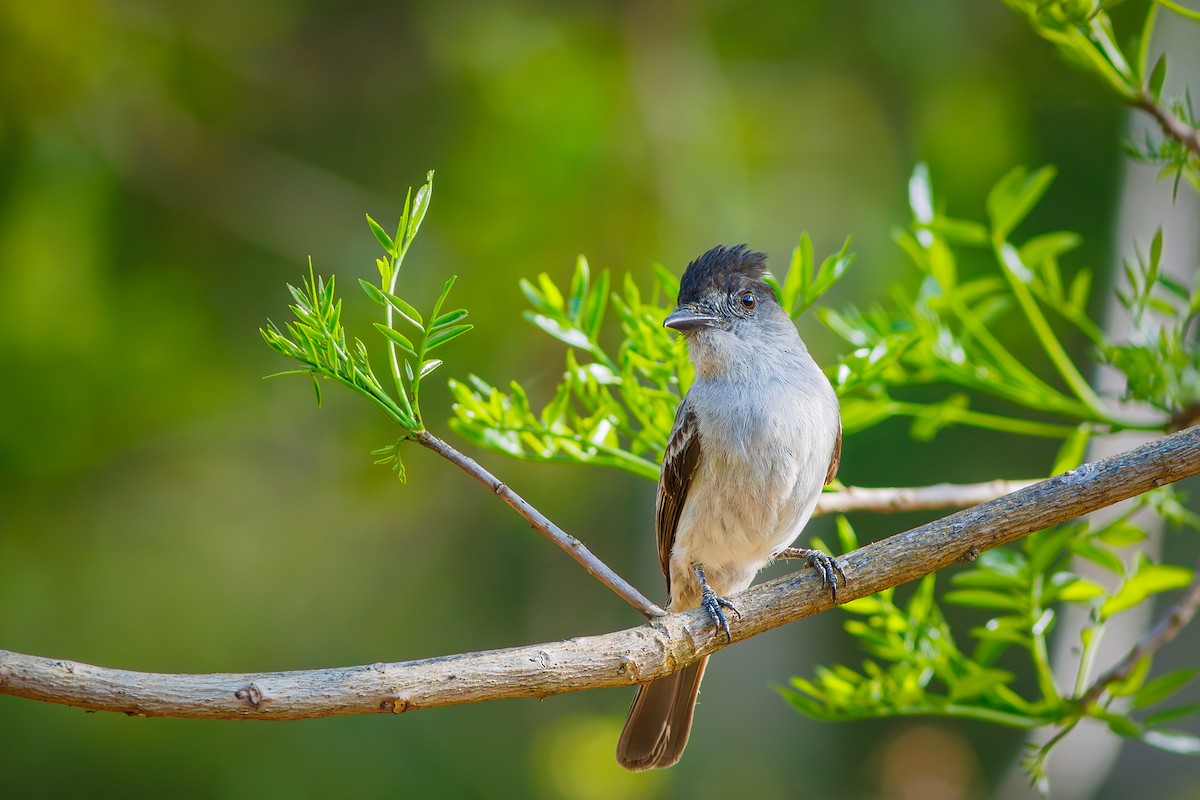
[720, 289]
[728, 314]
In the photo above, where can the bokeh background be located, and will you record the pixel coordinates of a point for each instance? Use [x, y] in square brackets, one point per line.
[165, 168]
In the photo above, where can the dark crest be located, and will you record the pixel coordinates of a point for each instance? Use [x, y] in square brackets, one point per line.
[721, 268]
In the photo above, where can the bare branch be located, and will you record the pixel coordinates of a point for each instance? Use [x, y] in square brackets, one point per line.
[941, 495]
[1166, 629]
[625, 657]
[575, 548]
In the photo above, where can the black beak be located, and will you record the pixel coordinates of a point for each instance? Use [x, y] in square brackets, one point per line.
[687, 319]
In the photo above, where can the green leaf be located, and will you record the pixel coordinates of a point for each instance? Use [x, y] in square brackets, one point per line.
[551, 296]
[865, 606]
[571, 336]
[1045, 546]
[390, 456]
[439, 338]
[942, 265]
[402, 223]
[591, 316]
[987, 579]
[1155, 256]
[429, 366]
[1158, 718]
[1186, 744]
[419, 207]
[448, 318]
[382, 236]
[580, 281]
[410, 314]
[981, 598]
[1121, 726]
[802, 262]
[959, 231]
[1157, 76]
[1080, 590]
[1049, 245]
[978, 683]
[1163, 687]
[920, 194]
[667, 281]
[1175, 287]
[1081, 287]
[372, 292]
[1121, 534]
[437, 307]
[829, 273]
[535, 297]
[1149, 579]
[317, 387]
[397, 338]
[1098, 555]
[1014, 196]
[847, 538]
[556, 409]
[799, 274]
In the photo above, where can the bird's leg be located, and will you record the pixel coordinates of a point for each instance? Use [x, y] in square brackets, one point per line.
[713, 604]
[823, 563]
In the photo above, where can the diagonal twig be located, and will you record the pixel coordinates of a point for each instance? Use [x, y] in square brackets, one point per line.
[1164, 630]
[575, 548]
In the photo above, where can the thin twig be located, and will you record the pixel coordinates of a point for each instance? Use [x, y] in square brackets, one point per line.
[941, 495]
[625, 657]
[1171, 125]
[598, 569]
[1166, 629]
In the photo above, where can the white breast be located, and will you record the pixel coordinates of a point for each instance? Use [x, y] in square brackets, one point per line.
[762, 466]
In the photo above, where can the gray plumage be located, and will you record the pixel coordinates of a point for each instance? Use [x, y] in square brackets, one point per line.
[756, 438]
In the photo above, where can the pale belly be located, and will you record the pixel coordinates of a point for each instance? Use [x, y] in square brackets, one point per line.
[732, 528]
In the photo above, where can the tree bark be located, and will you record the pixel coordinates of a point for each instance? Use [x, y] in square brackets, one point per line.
[621, 658]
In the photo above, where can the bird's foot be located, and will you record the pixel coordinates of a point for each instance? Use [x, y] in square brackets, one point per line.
[826, 566]
[711, 602]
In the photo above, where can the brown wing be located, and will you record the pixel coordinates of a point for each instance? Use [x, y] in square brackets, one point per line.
[836, 460]
[678, 469]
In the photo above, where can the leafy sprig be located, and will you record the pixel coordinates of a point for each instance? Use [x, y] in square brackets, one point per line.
[916, 666]
[1161, 361]
[316, 338]
[947, 334]
[1082, 31]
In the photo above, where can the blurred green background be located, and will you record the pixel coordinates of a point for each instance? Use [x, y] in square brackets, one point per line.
[165, 168]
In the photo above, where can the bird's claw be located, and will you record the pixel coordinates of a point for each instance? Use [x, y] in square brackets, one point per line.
[828, 567]
[713, 604]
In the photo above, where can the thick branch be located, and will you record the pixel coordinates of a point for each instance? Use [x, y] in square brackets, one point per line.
[941, 495]
[614, 659]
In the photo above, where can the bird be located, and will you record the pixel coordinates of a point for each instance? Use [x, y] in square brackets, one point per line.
[755, 440]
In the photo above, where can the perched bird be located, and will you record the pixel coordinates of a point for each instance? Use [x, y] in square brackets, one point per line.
[756, 438]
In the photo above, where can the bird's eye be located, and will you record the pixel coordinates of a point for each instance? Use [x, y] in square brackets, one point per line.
[747, 300]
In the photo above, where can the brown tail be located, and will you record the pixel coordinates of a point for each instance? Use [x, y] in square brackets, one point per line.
[660, 720]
